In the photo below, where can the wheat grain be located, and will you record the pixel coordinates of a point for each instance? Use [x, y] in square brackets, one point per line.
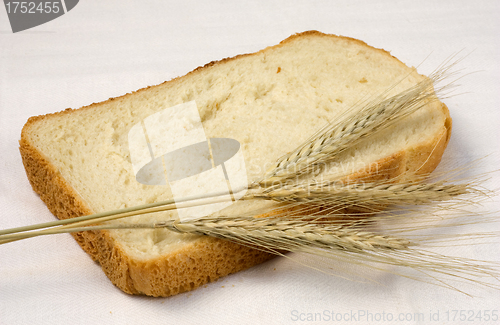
[287, 234]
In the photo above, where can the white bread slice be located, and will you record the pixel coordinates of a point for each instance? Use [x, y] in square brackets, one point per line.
[270, 101]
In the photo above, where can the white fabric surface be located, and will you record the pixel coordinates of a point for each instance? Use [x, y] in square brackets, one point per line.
[103, 49]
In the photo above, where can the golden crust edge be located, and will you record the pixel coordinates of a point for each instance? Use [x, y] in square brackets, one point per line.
[207, 259]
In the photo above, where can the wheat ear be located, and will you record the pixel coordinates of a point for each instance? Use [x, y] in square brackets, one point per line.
[349, 129]
[277, 234]
[365, 194]
[339, 242]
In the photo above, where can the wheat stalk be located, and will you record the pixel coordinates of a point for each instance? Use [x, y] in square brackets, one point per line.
[328, 195]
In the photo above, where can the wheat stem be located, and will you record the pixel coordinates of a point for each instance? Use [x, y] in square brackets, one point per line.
[166, 205]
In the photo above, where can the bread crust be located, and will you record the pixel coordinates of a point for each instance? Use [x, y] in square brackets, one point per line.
[206, 259]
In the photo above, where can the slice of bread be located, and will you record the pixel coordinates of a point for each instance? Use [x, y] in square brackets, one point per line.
[271, 101]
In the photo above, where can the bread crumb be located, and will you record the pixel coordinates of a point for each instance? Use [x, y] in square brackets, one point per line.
[363, 80]
[279, 70]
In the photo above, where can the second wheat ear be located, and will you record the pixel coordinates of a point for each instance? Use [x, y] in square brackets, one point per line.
[308, 215]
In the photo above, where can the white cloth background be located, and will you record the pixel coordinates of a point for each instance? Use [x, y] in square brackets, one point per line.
[103, 49]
